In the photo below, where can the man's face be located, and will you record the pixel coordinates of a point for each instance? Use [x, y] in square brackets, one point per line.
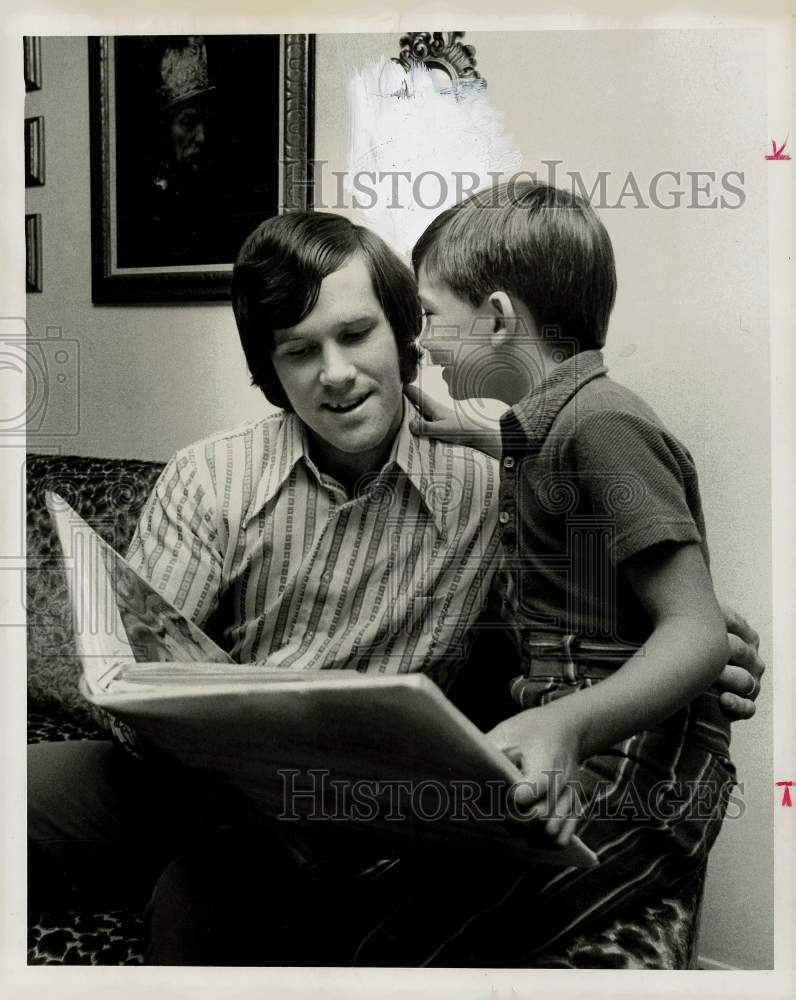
[340, 371]
[188, 137]
[456, 336]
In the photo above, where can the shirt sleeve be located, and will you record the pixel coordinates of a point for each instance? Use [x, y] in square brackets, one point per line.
[176, 546]
[632, 475]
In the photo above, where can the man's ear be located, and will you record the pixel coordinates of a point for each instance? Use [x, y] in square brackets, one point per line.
[505, 318]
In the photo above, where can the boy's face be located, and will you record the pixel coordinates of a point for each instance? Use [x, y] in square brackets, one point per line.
[461, 337]
[455, 333]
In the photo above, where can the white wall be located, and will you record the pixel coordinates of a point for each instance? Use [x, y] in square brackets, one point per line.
[152, 378]
[690, 329]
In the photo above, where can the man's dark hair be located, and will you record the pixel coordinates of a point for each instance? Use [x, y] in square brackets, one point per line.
[543, 245]
[277, 278]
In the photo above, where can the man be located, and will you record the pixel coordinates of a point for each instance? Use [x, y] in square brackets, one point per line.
[325, 536]
[178, 205]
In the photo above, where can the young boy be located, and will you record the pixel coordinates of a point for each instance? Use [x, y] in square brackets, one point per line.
[606, 565]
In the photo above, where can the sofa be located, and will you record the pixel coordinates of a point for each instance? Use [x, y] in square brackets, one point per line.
[109, 494]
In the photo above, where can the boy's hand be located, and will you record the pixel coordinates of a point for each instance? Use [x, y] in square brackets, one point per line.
[740, 679]
[546, 753]
[439, 421]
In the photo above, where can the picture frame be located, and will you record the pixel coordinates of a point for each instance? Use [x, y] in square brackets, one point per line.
[34, 151]
[33, 253]
[194, 141]
[31, 61]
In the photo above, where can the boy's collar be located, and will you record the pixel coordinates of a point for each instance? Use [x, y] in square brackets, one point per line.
[528, 422]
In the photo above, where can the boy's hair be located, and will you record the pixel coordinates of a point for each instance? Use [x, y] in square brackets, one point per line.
[543, 245]
[277, 278]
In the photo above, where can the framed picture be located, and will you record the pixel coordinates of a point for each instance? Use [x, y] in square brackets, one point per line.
[31, 58]
[34, 151]
[33, 263]
[195, 139]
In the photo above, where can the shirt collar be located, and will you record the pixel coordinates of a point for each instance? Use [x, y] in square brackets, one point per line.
[532, 418]
[287, 447]
[410, 455]
[416, 458]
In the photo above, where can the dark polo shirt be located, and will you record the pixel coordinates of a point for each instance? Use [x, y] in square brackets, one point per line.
[589, 478]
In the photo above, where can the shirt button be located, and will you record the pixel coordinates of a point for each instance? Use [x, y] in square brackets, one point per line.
[326, 577]
[508, 462]
[504, 517]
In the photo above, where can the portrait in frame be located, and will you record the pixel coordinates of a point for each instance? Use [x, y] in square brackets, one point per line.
[34, 151]
[33, 253]
[31, 56]
[195, 139]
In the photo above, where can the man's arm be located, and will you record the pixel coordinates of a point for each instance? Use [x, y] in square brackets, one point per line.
[740, 679]
[176, 546]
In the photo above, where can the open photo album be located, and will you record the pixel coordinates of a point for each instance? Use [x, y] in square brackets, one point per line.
[387, 755]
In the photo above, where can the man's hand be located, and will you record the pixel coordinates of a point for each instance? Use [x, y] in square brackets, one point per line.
[546, 753]
[436, 420]
[740, 679]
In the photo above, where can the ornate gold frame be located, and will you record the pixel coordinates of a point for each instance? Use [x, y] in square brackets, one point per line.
[443, 50]
[109, 284]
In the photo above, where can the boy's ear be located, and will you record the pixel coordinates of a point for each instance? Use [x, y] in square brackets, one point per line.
[506, 318]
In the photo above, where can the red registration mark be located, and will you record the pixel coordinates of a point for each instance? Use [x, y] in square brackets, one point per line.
[778, 153]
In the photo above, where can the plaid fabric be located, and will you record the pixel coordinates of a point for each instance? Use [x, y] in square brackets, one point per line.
[652, 810]
[558, 671]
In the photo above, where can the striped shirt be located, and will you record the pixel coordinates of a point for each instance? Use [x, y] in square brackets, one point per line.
[244, 532]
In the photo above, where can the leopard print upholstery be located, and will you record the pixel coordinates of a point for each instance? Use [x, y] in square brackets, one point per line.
[74, 938]
[109, 494]
[52, 728]
[659, 937]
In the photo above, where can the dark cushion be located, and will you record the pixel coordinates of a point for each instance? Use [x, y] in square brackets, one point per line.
[109, 494]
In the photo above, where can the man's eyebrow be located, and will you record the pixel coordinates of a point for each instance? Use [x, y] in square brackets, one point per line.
[285, 336]
[365, 317]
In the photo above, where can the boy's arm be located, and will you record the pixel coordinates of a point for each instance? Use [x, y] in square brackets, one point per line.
[684, 654]
[682, 657]
[436, 420]
[739, 681]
